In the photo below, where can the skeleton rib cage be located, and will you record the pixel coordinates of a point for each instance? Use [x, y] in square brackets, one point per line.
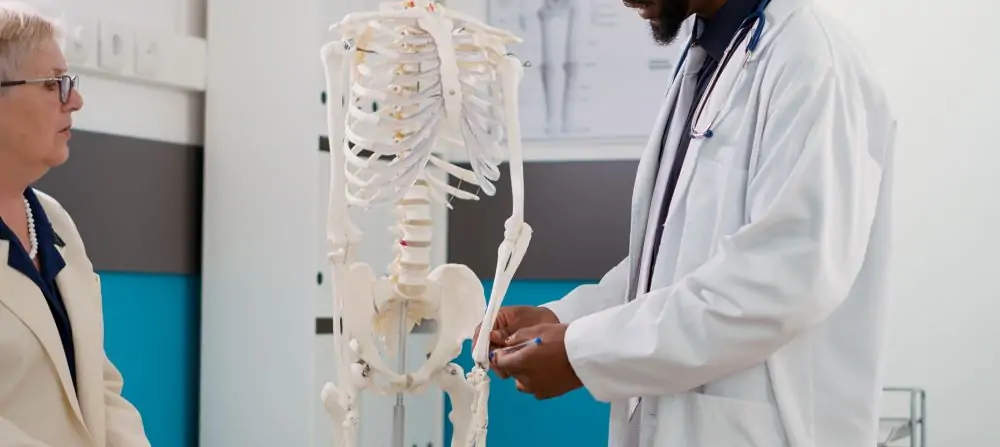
[407, 124]
[417, 81]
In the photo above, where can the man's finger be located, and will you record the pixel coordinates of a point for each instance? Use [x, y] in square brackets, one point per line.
[497, 338]
[512, 363]
[522, 386]
[523, 335]
[496, 368]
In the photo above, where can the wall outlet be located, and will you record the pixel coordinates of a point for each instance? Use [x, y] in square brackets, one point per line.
[116, 46]
[81, 43]
[148, 54]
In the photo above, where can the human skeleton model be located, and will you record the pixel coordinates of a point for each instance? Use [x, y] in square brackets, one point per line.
[414, 78]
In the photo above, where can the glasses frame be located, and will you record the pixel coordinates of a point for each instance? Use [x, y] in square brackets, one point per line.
[67, 83]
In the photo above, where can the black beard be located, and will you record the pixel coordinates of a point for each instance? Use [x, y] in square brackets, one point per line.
[671, 17]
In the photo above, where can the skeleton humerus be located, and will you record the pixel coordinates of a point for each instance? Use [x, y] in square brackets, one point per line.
[441, 81]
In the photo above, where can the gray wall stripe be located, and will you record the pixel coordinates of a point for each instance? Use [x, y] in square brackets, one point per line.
[579, 211]
[136, 202]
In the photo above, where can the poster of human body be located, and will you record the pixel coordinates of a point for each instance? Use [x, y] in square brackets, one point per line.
[594, 72]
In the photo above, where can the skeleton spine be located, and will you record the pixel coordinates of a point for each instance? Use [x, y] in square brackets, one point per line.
[414, 230]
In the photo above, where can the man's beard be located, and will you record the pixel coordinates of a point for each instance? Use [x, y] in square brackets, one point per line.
[671, 17]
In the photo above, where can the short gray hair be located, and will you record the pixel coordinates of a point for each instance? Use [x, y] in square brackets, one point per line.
[22, 29]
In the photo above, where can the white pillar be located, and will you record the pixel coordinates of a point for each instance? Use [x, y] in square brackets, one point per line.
[260, 217]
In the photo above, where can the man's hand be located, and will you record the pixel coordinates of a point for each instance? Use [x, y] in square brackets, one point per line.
[543, 369]
[511, 319]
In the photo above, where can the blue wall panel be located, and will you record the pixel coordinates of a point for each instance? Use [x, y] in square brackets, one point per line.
[518, 419]
[152, 335]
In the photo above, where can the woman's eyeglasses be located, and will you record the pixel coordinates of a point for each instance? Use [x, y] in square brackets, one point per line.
[66, 84]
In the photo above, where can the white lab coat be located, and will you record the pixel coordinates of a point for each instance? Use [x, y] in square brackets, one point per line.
[765, 322]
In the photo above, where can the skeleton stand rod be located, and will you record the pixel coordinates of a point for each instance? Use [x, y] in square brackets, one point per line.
[399, 411]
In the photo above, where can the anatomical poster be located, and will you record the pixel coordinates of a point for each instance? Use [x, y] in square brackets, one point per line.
[594, 69]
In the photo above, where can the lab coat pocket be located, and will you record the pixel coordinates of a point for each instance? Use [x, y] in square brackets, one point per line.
[714, 208]
[696, 420]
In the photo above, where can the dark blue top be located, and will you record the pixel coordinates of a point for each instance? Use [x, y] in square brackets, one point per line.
[51, 263]
[713, 36]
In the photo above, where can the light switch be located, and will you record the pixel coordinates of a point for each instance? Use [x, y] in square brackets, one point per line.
[148, 52]
[116, 46]
[81, 42]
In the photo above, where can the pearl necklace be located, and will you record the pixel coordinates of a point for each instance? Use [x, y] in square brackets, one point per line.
[32, 235]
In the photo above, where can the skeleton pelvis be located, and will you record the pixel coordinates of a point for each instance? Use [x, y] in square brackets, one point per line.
[453, 296]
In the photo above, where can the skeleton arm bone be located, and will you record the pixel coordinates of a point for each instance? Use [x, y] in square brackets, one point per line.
[338, 400]
[340, 231]
[517, 233]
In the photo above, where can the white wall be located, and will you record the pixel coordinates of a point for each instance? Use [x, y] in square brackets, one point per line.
[936, 63]
[118, 102]
[259, 262]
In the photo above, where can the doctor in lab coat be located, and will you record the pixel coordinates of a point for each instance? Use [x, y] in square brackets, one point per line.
[57, 386]
[751, 308]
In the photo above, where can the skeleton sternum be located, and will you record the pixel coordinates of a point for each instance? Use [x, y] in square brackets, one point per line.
[414, 227]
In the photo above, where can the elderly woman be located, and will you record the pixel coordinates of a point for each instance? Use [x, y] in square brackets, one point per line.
[57, 387]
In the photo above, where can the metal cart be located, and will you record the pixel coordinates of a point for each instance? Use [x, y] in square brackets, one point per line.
[897, 430]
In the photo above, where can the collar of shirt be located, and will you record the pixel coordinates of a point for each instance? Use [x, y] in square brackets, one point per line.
[715, 33]
[52, 261]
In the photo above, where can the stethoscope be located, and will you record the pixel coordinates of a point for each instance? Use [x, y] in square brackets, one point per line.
[757, 17]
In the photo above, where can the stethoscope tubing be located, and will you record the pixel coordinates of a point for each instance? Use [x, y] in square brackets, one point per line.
[754, 22]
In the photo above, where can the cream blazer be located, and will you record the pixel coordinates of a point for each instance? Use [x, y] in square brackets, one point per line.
[38, 407]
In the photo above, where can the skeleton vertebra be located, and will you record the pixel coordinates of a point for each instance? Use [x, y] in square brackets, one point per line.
[415, 77]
